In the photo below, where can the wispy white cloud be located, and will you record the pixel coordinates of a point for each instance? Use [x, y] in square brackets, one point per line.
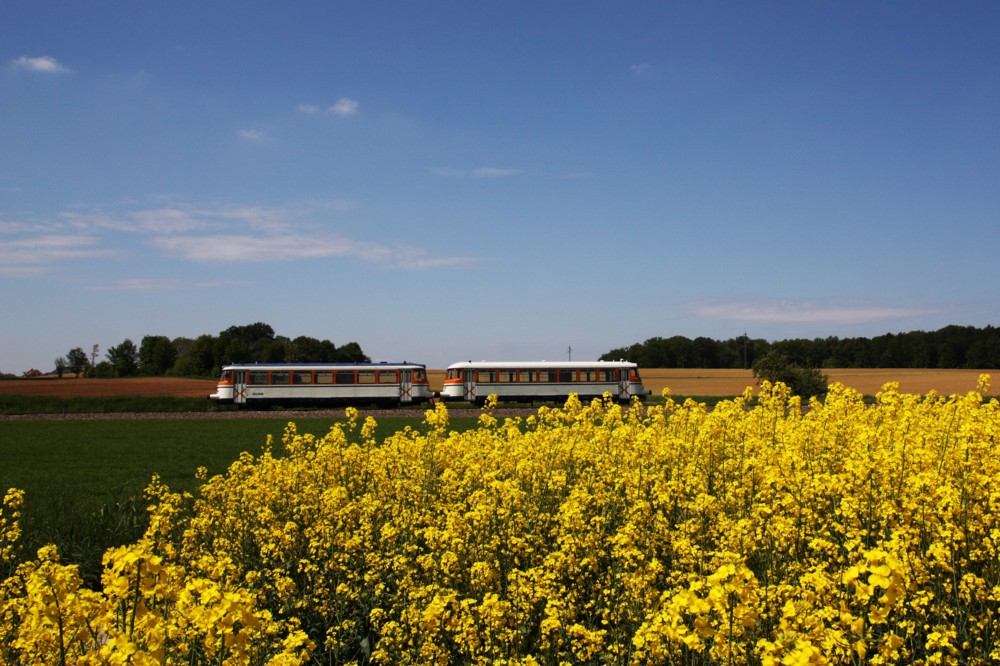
[41, 64]
[36, 255]
[254, 135]
[8, 227]
[164, 284]
[479, 172]
[639, 68]
[174, 217]
[168, 220]
[202, 234]
[421, 262]
[163, 220]
[805, 313]
[248, 248]
[494, 172]
[255, 248]
[345, 107]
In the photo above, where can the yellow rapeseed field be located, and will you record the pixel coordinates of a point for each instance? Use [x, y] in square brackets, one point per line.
[763, 531]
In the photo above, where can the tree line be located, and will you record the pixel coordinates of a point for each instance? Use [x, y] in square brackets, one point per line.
[948, 348]
[205, 355]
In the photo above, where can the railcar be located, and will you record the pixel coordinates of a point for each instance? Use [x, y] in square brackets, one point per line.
[522, 381]
[293, 384]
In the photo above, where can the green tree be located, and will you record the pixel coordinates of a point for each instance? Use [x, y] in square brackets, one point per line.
[622, 354]
[351, 353]
[776, 367]
[244, 344]
[304, 349]
[196, 358]
[102, 370]
[60, 366]
[124, 359]
[157, 355]
[76, 360]
[275, 351]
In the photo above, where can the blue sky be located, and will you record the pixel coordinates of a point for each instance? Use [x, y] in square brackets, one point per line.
[445, 181]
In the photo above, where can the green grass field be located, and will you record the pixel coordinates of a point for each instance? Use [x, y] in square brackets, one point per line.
[42, 404]
[84, 479]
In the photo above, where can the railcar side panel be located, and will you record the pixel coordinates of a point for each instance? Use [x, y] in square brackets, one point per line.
[322, 384]
[526, 382]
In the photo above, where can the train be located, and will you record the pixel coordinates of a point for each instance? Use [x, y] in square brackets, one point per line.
[520, 381]
[260, 385]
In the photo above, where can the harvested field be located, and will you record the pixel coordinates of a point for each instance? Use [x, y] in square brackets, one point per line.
[685, 382]
[695, 382]
[73, 387]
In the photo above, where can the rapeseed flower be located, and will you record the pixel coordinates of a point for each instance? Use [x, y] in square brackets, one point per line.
[763, 531]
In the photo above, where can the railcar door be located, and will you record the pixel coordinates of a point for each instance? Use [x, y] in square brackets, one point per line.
[623, 385]
[405, 385]
[240, 387]
[470, 384]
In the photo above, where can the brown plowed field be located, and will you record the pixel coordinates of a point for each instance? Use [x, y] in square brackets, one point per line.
[685, 382]
[73, 387]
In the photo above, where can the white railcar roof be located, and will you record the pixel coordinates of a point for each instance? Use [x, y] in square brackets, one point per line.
[322, 366]
[555, 365]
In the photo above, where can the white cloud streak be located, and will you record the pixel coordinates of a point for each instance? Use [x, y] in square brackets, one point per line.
[36, 254]
[246, 248]
[495, 172]
[790, 313]
[40, 64]
[345, 107]
[165, 284]
[253, 135]
[201, 234]
[479, 172]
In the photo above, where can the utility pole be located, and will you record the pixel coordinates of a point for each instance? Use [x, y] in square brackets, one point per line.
[569, 352]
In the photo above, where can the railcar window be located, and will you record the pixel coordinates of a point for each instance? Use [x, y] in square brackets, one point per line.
[527, 376]
[419, 375]
[588, 375]
[227, 377]
[345, 376]
[454, 374]
[506, 376]
[366, 376]
[324, 376]
[281, 377]
[302, 377]
[388, 377]
[486, 376]
[257, 377]
[567, 375]
[549, 376]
